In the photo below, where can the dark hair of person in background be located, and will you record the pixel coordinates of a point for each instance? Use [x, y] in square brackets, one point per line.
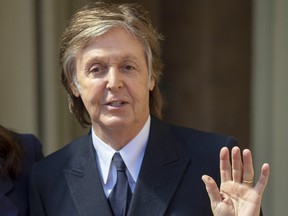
[11, 153]
[18, 153]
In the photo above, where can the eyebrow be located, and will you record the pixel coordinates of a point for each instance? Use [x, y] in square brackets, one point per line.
[120, 58]
[105, 59]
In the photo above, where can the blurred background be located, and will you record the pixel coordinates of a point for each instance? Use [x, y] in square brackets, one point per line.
[226, 71]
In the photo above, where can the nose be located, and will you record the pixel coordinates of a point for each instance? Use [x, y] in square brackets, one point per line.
[114, 79]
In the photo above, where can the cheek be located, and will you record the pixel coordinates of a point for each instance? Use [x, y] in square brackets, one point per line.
[141, 95]
[142, 89]
[91, 94]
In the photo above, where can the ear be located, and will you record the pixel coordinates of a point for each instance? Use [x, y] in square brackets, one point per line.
[75, 90]
[151, 84]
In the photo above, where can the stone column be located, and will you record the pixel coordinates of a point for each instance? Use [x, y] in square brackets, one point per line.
[270, 100]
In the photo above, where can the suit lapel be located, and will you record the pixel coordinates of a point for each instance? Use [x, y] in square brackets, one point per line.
[161, 172]
[84, 182]
[7, 207]
[6, 185]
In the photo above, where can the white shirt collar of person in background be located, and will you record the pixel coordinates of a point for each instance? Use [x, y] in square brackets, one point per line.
[132, 155]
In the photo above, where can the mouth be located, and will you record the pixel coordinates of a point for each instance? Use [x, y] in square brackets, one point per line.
[116, 103]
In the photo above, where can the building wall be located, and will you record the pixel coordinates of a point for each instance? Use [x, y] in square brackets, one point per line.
[269, 99]
[207, 56]
[18, 78]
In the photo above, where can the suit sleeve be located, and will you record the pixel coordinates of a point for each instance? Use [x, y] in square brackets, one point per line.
[36, 203]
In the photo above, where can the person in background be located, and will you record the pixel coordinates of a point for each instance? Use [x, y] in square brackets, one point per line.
[132, 162]
[18, 152]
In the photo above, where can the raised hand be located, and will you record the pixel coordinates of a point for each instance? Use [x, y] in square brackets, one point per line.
[237, 194]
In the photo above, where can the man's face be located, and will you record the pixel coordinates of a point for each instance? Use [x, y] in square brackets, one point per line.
[113, 81]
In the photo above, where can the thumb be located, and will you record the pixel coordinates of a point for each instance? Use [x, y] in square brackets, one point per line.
[212, 190]
[263, 179]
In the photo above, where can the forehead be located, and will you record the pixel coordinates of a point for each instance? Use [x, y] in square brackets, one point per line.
[116, 41]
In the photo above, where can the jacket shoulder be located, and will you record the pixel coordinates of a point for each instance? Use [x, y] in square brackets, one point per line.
[64, 154]
[194, 137]
[202, 137]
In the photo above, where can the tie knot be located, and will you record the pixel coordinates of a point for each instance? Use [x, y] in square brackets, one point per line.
[119, 163]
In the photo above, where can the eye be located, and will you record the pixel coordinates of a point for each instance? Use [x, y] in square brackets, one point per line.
[128, 67]
[97, 68]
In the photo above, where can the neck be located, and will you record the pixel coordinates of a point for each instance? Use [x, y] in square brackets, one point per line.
[118, 137]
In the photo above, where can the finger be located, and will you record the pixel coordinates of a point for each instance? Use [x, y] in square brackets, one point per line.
[237, 167]
[212, 190]
[248, 171]
[263, 179]
[225, 166]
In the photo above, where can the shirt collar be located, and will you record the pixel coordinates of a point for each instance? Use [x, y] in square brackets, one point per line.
[132, 153]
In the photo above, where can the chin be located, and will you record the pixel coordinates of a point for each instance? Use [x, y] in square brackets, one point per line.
[117, 121]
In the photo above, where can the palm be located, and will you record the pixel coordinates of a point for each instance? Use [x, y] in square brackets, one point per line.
[236, 198]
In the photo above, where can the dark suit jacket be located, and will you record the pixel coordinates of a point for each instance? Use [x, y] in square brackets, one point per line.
[15, 191]
[67, 182]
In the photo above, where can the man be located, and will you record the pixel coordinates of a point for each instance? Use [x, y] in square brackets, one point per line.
[111, 67]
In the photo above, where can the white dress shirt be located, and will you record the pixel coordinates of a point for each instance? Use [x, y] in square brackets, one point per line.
[132, 155]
